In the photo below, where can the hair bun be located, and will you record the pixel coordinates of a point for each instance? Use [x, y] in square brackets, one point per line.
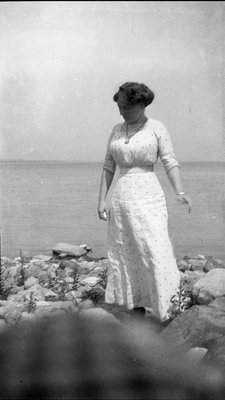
[135, 93]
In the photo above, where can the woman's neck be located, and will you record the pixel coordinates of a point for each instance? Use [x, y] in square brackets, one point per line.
[139, 120]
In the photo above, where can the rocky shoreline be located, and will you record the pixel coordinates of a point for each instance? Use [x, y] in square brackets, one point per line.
[71, 281]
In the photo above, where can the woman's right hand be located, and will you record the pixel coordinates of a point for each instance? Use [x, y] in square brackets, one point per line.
[102, 210]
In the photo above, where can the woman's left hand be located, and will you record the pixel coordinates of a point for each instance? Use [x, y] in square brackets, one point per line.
[183, 199]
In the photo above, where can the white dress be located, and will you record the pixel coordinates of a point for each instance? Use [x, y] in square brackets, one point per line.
[142, 267]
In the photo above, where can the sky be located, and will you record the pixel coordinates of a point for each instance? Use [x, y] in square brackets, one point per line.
[62, 62]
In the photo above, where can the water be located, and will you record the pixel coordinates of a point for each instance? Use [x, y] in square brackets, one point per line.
[42, 204]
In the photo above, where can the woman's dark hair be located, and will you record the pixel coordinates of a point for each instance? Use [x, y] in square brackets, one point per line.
[135, 93]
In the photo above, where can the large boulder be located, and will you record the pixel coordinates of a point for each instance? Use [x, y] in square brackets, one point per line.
[219, 302]
[69, 249]
[216, 354]
[200, 326]
[211, 286]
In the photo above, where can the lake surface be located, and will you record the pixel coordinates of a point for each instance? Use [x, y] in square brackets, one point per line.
[43, 203]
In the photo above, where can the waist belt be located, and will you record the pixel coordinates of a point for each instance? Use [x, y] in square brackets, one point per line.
[137, 170]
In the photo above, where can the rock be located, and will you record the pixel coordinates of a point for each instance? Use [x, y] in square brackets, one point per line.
[68, 279]
[43, 303]
[216, 354]
[4, 303]
[200, 326]
[91, 265]
[68, 296]
[74, 295]
[201, 257]
[16, 289]
[197, 264]
[61, 273]
[84, 271]
[197, 353]
[86, 304]
[182, 265]
[72, 264]
[213, 263]
[90, 281]
[26, 316]
[186, 258]
[12, 272]
[86, 247]
[198, 257]
[95, 294]
[18, 297]
[99, 270]
[52, 269]
[69, 249]
[71, 273]
[3, 311]
[189, 278]
[43, 277]
[13, 316]
[31, 281]
[99, 314]
[42, 258]
[63, 255]
[7, 262]
[31, 270]
[51, 296]
[38, 263]
[34, 294]
[67, 306]
[219, 302]
[210, 287]
[43, 308]
[81, 277]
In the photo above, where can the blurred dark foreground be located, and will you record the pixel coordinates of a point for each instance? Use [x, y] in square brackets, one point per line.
[78, 357]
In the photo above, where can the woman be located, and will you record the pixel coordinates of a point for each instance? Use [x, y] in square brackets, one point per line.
[142, 267]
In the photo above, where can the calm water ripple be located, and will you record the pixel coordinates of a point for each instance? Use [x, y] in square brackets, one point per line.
[43, 203]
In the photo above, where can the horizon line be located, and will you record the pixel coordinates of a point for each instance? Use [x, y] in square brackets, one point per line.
[94, 161]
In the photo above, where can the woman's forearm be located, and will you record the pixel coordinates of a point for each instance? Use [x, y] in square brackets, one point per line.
[106, 180]
[175, 180]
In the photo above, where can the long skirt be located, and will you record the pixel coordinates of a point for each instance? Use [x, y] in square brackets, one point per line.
[142, 267]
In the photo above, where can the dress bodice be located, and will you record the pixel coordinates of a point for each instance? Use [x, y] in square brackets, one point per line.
[143, 149]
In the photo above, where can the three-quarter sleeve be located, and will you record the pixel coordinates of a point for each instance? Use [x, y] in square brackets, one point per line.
[109, 163]
[165, 148]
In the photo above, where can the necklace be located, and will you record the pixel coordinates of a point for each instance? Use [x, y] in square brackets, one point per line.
[139, 128]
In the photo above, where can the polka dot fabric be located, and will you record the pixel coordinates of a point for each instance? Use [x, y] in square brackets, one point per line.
[142, 267]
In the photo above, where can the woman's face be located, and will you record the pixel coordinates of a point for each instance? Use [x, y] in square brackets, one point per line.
[130, 112]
